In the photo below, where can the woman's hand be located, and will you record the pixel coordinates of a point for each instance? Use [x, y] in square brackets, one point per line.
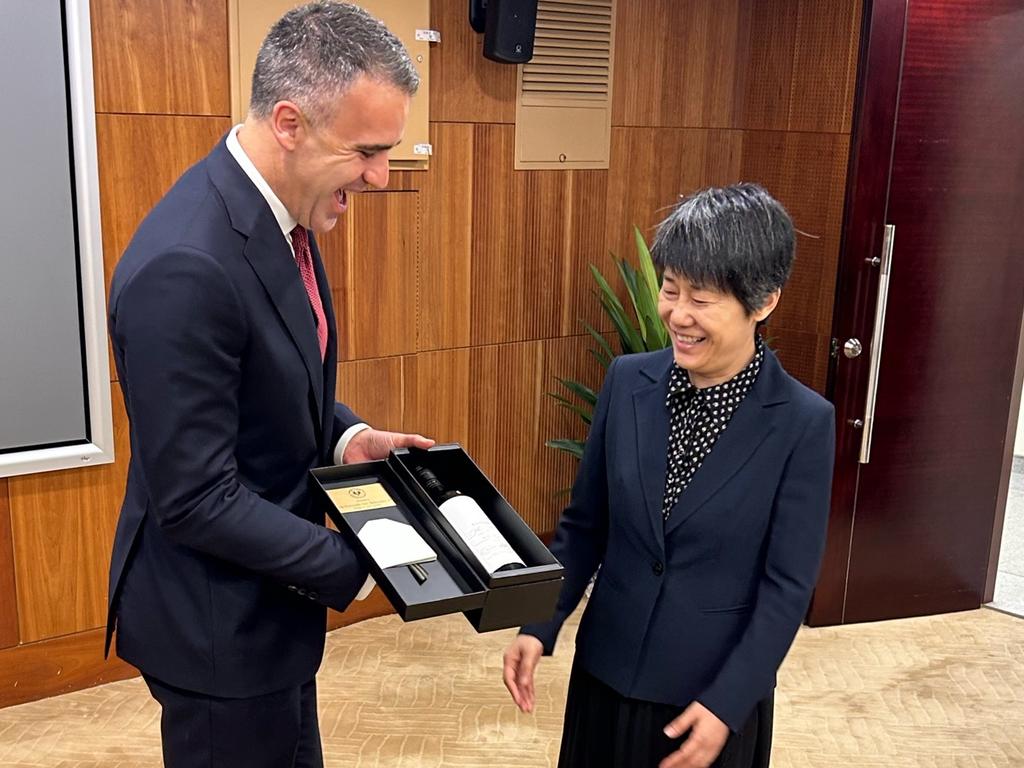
[707, 736]
[521, 659]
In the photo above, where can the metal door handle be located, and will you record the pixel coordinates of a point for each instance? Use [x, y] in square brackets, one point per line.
[876, 342]
[852, 348]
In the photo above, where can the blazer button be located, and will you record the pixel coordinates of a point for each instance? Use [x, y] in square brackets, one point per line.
[658, 568]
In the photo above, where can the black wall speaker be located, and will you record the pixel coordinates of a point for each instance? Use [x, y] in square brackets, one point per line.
[508, 36]
[478, 15]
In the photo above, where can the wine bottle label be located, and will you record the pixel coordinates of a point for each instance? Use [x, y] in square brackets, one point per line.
[479, 533]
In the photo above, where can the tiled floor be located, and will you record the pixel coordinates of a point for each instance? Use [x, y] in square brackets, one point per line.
[1009, 595]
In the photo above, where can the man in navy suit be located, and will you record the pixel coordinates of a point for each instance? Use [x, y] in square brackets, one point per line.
[703, 495]
[224, 340]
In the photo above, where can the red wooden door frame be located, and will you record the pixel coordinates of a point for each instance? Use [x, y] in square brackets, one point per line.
[916, 530]
[871, 143]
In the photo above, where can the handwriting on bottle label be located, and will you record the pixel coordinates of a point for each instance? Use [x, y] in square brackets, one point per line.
[356, 498]
[480, 534]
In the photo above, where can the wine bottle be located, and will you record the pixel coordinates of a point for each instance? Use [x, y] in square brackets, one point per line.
[471, 524]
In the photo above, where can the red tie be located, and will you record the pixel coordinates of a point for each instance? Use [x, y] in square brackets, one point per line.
[304, 258]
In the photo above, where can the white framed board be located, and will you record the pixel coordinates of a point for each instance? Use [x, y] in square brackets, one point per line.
[55, 410]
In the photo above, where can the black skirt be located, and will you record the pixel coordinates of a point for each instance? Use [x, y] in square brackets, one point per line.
[604, 729]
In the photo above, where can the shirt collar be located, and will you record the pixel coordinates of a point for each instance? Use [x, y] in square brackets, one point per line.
[679, 382]
[284, 219]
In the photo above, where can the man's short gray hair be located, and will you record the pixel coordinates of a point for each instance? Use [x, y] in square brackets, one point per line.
[315, 52]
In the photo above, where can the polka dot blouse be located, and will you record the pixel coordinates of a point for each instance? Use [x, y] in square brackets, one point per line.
[697, 417]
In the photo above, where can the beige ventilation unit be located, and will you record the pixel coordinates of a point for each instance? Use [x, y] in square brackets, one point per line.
[564, 105]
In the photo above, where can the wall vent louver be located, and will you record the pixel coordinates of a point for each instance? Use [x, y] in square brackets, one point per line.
[563, 108]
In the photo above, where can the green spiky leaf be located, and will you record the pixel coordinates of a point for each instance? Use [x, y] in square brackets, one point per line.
[583, 392]
[572, 447]
[602, 343]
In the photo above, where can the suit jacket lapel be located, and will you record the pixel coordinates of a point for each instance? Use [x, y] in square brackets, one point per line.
[752, 422]
[267, 252]
[281, 279]
[652, 425]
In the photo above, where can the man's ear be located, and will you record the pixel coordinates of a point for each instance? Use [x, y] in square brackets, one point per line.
[288, 124]
[769, 306]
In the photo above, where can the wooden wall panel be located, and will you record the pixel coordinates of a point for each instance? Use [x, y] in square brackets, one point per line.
[534, 233]
[373, 389]
[824, 66]
[774, 64]
[801, 58]
[375, 307]
[444, 273]
[464, 86]
[161, 56]
[768, 84]
[140, 157]
[677, 63]
[63, 526]
[516, 242]
[61, 665]
[8, 597]
[586, 244]
[803, 354]
[438, 386]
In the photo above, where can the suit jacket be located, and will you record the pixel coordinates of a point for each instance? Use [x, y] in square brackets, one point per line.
[221, 568]
[704, 606]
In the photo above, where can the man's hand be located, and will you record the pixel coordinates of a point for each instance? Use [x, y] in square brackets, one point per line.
[521, 659]
[707, 736]
[374, 444]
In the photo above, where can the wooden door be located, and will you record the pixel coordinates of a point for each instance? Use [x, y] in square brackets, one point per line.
[938, 155]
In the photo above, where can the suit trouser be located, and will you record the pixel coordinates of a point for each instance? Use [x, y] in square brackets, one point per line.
[276, 730]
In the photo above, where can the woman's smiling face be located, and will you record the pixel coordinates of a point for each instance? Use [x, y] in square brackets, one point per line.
[711, 333]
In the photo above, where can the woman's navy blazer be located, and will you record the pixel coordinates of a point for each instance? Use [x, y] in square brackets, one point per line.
[703, 606]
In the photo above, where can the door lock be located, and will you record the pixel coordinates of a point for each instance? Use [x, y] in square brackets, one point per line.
[852, 348]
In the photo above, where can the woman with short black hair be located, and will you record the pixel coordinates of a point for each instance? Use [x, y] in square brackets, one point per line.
[703, 497]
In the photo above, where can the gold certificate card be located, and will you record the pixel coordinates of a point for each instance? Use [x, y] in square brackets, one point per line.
[356, 498]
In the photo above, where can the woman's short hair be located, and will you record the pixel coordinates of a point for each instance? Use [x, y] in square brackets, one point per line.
[736, 239]
[316, 51]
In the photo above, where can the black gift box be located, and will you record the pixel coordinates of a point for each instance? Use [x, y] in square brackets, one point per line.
[456, 582]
